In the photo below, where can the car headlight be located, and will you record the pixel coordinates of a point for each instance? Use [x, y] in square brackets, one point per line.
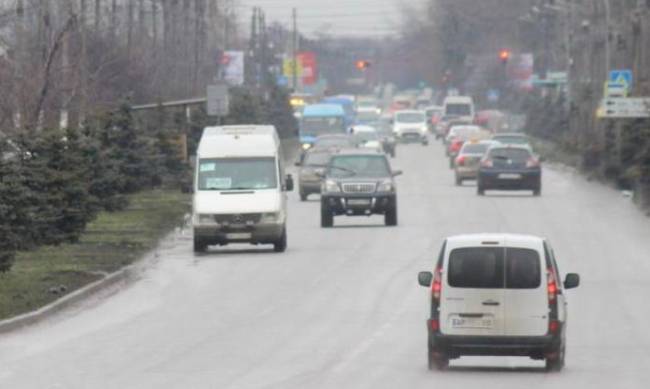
[271, 217]
[331, 187]
[306, 146]
[386, 186]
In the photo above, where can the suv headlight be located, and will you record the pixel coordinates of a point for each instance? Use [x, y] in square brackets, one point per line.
[330, 186]
[386, 186]
[306, 146]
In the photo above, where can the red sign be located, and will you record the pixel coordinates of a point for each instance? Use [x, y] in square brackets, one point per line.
[309, 67]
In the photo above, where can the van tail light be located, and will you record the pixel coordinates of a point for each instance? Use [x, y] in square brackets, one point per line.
[487, 163]
[436, 285]
[460, 161]
[552, 287]
[532, 162]
[434, 325]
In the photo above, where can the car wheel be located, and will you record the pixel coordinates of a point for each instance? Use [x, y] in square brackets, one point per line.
[392, 153]
[326, 217]
[303, 196]
[537, 191]
[557, 363]
[199, 245]
[281, 245]
[480, 190]
[459, 181]
[390, 218]
[425, 142]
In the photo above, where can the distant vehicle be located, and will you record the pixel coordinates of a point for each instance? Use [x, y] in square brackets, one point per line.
[410, 126]
[311, 169]
[359, 183]
[385, 131]
[460, 106]
[460, 134]
[338, 141]
[492, 120]
[402, 102]
[347, 103]
[239, 189]
[434, 114]
[367, 137]
[367, 114]
[469, 158]
[510, 167]
[497, 294]
[512, 139]
[321, 119]
[445, 124]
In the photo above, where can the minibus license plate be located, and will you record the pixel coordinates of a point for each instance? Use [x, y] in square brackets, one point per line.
[239, 235]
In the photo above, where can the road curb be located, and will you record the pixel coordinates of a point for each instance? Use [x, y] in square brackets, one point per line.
[78, 295]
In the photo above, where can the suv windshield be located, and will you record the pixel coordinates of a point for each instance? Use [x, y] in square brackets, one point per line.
[359, 165]
[413, 117]
[316, 159]
[483, 268]
[237, 173]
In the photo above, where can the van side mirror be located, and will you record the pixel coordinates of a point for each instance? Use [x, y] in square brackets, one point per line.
[289, 183]
[571, 281]
[425, 278]
[397, 173]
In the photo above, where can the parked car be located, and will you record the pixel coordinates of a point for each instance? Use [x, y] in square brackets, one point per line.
[359, 183]
[469, 158]
[497, 294]
[510, 167]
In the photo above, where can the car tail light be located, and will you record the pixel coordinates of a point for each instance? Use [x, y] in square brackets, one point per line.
[532, 162]
[456, 145]
[460, 161]
[436, 285]
[487, 163]
[434, 325]
[553, 326]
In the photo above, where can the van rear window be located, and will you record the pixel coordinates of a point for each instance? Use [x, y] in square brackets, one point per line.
[494, 268]
[476, 267]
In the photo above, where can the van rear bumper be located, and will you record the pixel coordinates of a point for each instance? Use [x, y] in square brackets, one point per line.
[460, 345]
[257, 234]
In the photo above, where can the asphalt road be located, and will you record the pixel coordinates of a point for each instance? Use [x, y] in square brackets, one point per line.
[342, 308]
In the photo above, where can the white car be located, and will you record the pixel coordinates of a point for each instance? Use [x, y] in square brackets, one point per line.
[497, 294]
[410, 126]
[367, 137]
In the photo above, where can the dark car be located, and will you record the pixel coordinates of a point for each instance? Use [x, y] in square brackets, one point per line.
[311, 166]
[510, 167]
[329, 141]
[358, 183]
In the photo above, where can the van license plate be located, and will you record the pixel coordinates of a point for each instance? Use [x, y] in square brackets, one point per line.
[478, 322]
[239, 235]
[506, 176]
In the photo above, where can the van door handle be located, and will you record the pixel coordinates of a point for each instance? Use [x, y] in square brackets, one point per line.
[491, 303]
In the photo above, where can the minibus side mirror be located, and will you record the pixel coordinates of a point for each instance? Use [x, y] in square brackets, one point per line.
[425, 278]
[289, 183]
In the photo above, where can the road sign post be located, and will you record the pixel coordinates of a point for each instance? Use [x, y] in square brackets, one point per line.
[218, 101]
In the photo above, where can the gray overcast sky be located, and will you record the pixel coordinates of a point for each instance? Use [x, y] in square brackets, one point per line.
[336, 17]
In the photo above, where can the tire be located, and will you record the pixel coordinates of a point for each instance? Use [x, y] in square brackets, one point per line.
[281, 245]
[459, 181]
[390, 218]
[326, 217]
[199, 245]
[392, 153]
[556, 364]
[303, 196]
[425, 142]
[480, 190]
[537, 191]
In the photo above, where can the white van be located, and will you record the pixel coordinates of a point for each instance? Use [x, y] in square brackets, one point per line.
[239, 188]
[497, 294]
[461, 107]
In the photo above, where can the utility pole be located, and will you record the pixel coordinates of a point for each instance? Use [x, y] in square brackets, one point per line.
[294, 50]
[608, 16]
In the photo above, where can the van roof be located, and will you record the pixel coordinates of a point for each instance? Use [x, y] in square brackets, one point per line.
[458, 99]
[238, 141]
[495, 239]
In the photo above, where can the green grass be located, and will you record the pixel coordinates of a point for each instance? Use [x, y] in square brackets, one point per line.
[111, 241]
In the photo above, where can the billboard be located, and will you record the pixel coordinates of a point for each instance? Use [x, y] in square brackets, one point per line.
[308, 65]
[232, 63]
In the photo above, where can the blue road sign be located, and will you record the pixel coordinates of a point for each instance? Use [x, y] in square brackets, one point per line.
[621, 76]
[493, 95]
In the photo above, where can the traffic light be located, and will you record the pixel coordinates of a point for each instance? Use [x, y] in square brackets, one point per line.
[504, 56]
[363, 64]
